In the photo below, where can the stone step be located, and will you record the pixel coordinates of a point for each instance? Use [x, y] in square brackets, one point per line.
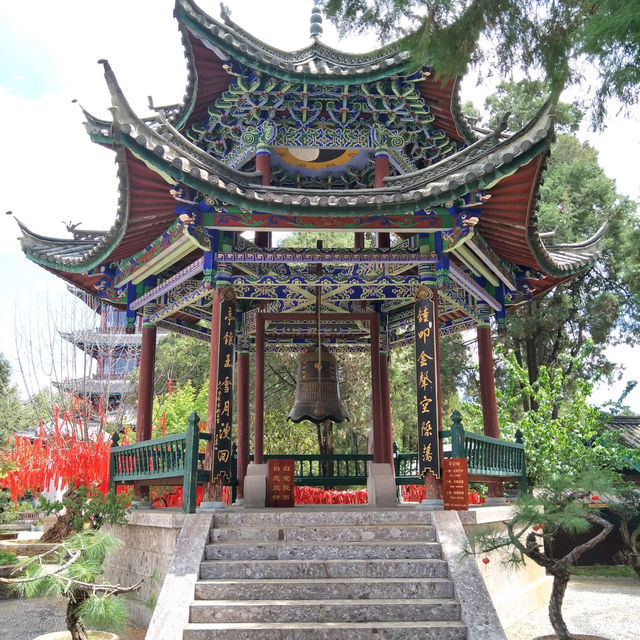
[338, 533]
[324, 551]
[422, 630]
[309, 517]
[322, 569]
[370, 610]
[337, 588]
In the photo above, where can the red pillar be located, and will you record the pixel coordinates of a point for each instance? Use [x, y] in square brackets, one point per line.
[488, 396]
[145, 383]
[258, 424]
[263, 163]
[378, 435]
[381, 172]
[385, 395]
[243, 418]
[145, 392]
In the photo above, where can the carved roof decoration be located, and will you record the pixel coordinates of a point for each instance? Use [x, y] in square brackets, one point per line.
[479, 165]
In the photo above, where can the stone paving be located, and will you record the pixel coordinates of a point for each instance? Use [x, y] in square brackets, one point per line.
[26, 618]
[602, 606]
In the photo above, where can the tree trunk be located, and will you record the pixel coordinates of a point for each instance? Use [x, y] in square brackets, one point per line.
[58, 532]
[560, 580]
[75, 626]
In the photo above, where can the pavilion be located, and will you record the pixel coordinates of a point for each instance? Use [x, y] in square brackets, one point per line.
[266, 140]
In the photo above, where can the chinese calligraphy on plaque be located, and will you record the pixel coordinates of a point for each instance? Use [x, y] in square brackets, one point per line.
[455, 485]
[280, 481]
[426, 384]
[224, 387]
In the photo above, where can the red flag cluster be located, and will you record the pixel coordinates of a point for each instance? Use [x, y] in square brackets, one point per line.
[55, 460]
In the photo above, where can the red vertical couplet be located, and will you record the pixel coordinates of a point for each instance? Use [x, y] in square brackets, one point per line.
[145, 383]
[222, 440]
[258, 424]
[378, 436]
[242, 369]
[427, 387]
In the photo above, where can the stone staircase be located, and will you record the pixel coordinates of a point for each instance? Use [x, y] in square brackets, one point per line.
[343, 574]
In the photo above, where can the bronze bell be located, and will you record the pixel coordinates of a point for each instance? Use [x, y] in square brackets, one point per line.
[317, 390]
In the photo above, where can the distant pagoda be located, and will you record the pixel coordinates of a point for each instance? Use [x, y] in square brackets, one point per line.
[116, 351]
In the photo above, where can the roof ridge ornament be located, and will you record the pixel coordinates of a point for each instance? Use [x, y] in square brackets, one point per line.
[315, 28]
[225, 12]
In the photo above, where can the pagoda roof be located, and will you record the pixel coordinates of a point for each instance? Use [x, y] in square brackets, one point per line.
[211, 45]
[153, 155]
[97, 386]
[95, 342]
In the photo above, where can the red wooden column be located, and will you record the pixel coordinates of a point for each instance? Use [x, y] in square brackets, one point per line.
[263, 163]
[147, 369]
[381, 172]
[385, 396]
[145, 382]
[258, 424]
[242, 378]
[378, 434]
[146, 372]
[488, 396]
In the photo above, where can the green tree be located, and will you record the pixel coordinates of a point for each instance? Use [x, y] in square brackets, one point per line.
[15, 414]
[75, 575]
[175, 408]
[181, 359]
[552, 37]
[565, 434]
[561, 505]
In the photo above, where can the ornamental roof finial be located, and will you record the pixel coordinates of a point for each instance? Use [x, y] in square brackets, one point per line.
[315, 28]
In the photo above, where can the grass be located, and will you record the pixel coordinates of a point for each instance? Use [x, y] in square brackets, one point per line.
[604, 571]
[6, 557]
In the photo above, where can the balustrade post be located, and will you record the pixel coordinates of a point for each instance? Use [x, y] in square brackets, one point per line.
[115, 438]
[192, 447]
[457, 436]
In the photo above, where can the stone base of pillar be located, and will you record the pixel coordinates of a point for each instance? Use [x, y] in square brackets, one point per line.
[381, 485]
[495, 501]
[255, 486]
[207, 507]
[431, 504]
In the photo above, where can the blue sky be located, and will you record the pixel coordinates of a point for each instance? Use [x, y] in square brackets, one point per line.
[52, 173]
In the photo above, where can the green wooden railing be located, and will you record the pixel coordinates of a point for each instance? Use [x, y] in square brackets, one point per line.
[176, 460]
[173, 460]
[320, 470]
[487, 458]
